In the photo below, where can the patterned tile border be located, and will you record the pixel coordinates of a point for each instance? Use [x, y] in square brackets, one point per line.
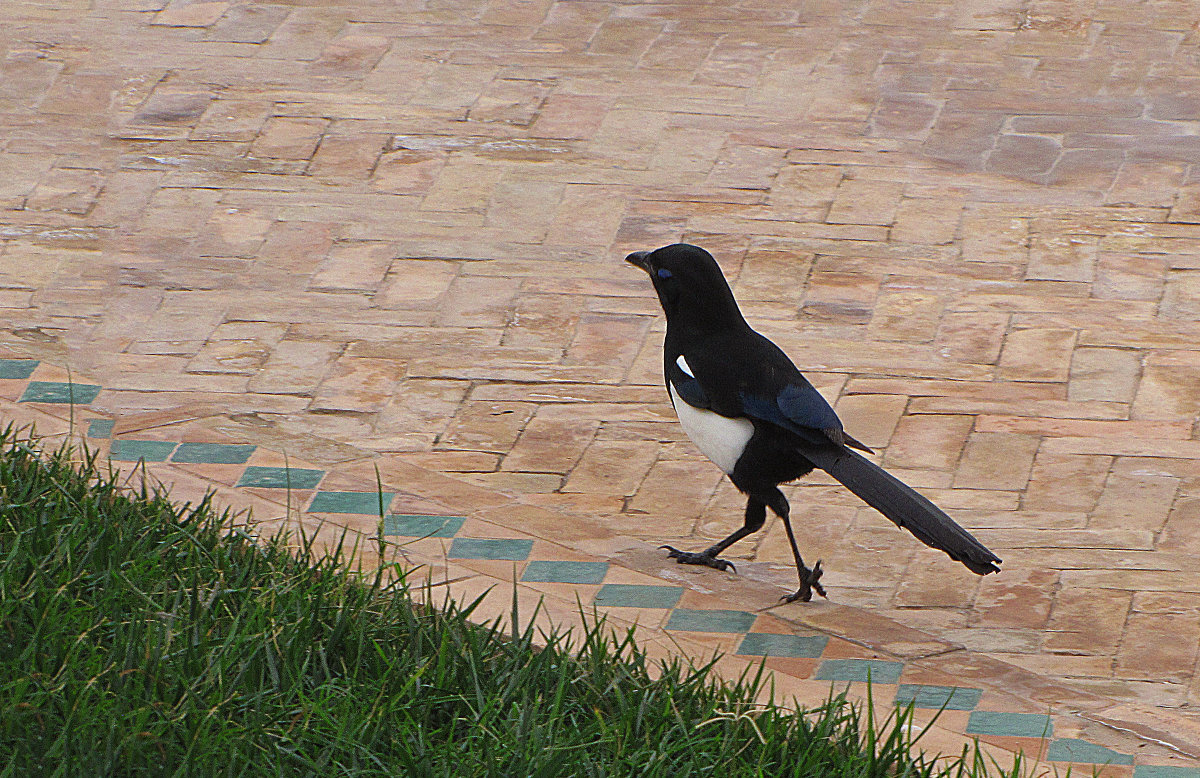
[650, 597]
[280, 477]
[1003, 724]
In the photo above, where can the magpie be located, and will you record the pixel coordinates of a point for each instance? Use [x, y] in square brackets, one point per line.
[747, 408]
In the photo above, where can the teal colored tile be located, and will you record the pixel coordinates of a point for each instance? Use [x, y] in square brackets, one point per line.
[412, 526]
[490, 548]
[149, 450]
[59, 392]
[986, 722]
[281, 477]
[1075, 750]
[349, 502]
[17, 368]
[638, 596]
[545, 571]
[1165, 771]
[874, 670]
[100, 428]
[950, 697]
[213, 453]
[710, 620]
[801, 646]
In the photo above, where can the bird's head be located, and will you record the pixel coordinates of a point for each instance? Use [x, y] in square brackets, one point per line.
[689, 284]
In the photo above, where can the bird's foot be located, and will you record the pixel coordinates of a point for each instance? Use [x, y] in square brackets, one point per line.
[809, 583]
[702, 558]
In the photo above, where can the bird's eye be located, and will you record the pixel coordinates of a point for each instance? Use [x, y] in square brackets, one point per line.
[663, 273]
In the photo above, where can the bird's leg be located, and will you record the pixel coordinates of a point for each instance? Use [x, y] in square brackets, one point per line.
[756, 514]
[810, 579]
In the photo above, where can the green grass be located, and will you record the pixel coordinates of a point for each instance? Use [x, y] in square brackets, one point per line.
[138, 637]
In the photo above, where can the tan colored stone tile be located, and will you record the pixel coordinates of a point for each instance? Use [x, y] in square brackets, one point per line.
[612, 467]
[352, 267]
[190, 14]
[928, 441]
[861, 201]
[1036, 355]
[872, 418]
[1138, 494]
[1066, 482]
[1086, 620]
[477, 302]
[906, 316]
[550, 445]
[996, 460]
[1103, 374]
[927, 221]
[357, 385]
[295, 367]
[1145, 655]
[285, 137]
[486, 426]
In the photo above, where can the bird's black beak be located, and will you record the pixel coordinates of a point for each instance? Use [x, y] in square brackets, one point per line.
[639, 258]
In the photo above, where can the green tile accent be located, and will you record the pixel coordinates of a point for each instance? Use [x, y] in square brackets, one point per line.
[1075, 750]
[281, 477]
[490, 548]
[349, 502]
[59, 392]
[874, 670]
[1165, 771]
[565, 572]
[100, 428]
[638, 596]
[710, 620]
[952, 697]
[213, 453]
[134, 450]
[413, 526]
[798, 646]
[986, 722]
[17, 368]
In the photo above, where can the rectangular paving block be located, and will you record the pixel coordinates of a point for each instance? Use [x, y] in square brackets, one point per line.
[550, 571]
[135, 450]
[366, 503]
[17, 368]
[59, 392]
[514, 549]
[795, 646]
[949, 697]
[414, 526]
[873, 670]
[213, 453]
[638, 596]
[986, 722]
[100, 428]
[1165, 771]
[710, 620]
[281, 477]
[1075, 750]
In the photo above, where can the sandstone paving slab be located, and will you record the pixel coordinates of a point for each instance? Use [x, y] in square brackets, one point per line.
[378, 251]
[555, 583]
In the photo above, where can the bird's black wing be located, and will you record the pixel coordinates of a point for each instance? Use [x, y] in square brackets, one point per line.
[799, 408]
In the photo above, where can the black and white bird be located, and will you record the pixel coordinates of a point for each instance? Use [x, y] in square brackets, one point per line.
[748, 409]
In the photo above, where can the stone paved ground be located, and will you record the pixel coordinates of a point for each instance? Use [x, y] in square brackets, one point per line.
[389, 234]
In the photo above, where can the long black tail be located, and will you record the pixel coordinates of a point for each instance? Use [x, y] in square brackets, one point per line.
[908, 509]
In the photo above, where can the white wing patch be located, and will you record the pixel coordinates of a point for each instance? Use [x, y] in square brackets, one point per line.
[683, 365]
[718, 437]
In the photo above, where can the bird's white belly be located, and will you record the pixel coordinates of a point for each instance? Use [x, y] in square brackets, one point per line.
[718, 437]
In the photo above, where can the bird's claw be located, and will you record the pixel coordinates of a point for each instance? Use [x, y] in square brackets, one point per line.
[693, 558]
[809, 583]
